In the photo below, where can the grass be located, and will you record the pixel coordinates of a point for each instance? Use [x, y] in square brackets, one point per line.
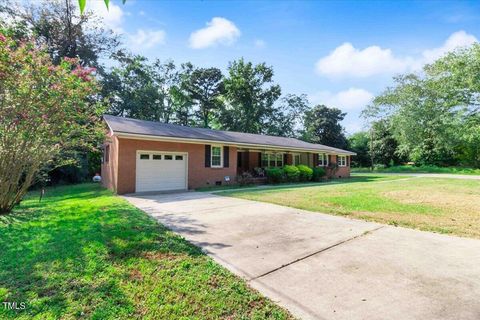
[433, 204]
[420, 169]
[84, 253]
[225, 187]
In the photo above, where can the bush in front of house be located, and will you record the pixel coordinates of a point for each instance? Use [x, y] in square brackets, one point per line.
[292, 173]
[318, 173]
[305, 172]
[275, 175]
[245, 179]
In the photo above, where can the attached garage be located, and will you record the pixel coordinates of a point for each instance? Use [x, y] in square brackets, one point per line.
[161, 171]
[148, 156]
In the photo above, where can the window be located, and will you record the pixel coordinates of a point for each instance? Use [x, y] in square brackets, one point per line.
[168, 157]
[272, 160]
[342, 161]
[178, 157]
[106, 153]
[323, 159]
[216, 157]
[296, 159]
[279, 160]
[157, 157]
[144, 157]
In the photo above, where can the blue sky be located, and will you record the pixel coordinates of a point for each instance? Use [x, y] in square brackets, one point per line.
[340, 53]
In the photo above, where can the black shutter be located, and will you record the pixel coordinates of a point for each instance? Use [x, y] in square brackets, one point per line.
[208, 150]
[226, 156]
[316, 159]
[285, 158]
[259, 159]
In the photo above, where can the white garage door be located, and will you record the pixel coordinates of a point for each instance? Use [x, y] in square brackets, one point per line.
[161, 171]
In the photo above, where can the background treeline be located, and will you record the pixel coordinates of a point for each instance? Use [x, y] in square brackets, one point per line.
[430, 117]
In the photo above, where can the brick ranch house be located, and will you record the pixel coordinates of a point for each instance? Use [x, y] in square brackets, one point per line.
[142, 156]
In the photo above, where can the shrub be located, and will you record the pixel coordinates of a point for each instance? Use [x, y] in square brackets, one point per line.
[305, 172]
[292, 173]
[245, 178]
[318, 173]
[275, 175]
[47, 113]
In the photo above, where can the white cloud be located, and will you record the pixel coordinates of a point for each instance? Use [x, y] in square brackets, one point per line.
[144, 39]
[457, 39]
[112, 17]
[352, 99]
[218, 31]
[259, 43]
[348, 61]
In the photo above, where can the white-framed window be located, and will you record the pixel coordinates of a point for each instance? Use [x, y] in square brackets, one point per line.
[272, 160]
[216, 157]
[342, 161]
[323, 159]
[296, 159]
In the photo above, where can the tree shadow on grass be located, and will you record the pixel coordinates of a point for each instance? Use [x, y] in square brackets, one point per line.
[57, 255]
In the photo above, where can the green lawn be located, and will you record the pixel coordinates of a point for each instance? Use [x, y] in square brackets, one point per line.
[84, 253]
[440, 205]
[421, 169]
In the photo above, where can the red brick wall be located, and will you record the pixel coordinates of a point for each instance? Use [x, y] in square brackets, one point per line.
[341, 172]
[119, 173]
[198, 175]
[289, 159]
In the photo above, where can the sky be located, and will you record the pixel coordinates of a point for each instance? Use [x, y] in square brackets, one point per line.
[339, 53]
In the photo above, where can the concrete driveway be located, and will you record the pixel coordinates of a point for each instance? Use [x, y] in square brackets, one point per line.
[326, 267]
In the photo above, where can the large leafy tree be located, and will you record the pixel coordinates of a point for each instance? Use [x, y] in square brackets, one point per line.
[322, 125]
[204, 87]
[423, 122]
[432, 113]
[45, 110]
[359, 143]
[63, 31]
[383, 145]
[250, 97]
[138, 89]
[286, 119]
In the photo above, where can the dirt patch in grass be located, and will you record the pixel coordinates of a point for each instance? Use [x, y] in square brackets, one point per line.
[468, 203]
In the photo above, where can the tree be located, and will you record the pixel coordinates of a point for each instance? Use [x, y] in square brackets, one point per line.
[250, 96]
[63, 31]
[383, 145]
[322, 125]
[45, 110]
[359, 143]
[205, 86]
[432, 113]
[137, 89]
[286, 120]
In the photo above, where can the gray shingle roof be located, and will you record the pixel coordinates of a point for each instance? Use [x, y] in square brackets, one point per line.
[151, 128]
